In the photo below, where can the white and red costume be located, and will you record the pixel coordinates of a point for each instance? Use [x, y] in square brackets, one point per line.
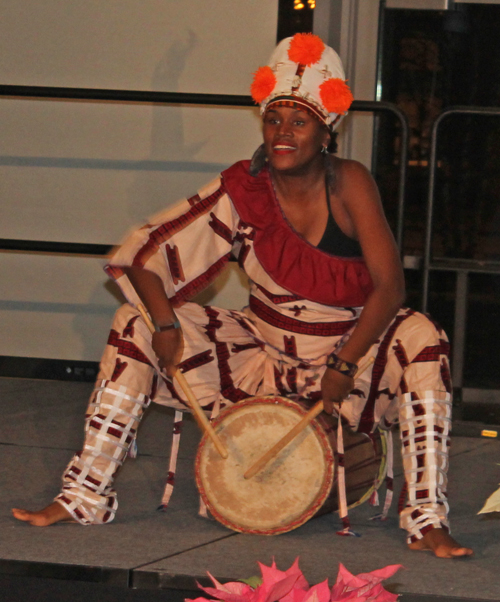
[303, 304]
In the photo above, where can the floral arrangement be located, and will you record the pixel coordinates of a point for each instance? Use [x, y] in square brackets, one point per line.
[291, 586]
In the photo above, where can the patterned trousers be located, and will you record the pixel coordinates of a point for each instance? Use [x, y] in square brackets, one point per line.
[226, 359]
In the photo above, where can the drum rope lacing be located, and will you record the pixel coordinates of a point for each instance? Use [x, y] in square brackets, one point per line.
[389, 480]
[346, 530]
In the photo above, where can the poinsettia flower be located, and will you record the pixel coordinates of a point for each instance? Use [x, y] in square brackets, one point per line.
[291, 586]
[276, 585]
[296, 595]
[318, 593]
[271, 574]
[246, 594]
[272, 592]
[285, 586]
[364, 587]
[232, 587]
[233, 591]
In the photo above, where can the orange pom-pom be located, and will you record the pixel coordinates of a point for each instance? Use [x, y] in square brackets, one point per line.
[335, 95]
[305, 48]
[263, 84]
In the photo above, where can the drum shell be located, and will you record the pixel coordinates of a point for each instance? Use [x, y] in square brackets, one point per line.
[319, 497]
[365, 457]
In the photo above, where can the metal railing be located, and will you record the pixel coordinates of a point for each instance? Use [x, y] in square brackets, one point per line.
[147, 97]
[462, 267]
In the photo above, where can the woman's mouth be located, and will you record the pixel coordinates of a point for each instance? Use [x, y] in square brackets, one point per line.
[283, 149]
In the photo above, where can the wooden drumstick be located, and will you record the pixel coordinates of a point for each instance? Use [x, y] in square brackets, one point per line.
[199, 414]
[296, 430]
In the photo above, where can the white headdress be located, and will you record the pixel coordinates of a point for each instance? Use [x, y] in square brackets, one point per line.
[305, 73]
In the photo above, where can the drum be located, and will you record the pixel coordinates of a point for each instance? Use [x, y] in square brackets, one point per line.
[296, 485]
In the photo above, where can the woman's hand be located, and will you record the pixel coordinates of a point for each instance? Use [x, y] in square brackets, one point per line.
[168, 347]
[335, 387]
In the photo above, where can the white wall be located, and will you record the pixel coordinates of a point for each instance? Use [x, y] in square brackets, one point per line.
[351, 27]
[86, 171]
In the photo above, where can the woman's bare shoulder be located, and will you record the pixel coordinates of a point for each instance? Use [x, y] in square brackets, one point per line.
[354, 179]
[352, 169]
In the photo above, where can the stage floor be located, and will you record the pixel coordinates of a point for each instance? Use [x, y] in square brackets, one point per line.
[150, 550]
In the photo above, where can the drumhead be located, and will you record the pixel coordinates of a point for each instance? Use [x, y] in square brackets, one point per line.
[288, 491]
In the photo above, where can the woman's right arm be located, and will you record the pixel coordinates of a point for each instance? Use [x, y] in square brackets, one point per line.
[177, 254]
[167, 345]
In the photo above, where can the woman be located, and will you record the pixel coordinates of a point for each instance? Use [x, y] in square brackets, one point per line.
[326, 286]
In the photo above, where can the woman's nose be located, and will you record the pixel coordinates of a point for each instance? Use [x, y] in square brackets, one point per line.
[284, 129]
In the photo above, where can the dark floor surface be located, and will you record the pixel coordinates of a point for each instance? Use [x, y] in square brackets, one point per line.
[145, 555]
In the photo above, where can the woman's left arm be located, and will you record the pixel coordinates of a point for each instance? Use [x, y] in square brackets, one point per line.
[360, 198]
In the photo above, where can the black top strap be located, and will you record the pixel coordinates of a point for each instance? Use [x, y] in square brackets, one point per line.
[334, 241]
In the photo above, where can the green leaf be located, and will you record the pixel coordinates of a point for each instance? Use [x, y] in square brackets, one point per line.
[252, 581]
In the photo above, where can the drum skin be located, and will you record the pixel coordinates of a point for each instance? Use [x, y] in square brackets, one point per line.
[296, 485]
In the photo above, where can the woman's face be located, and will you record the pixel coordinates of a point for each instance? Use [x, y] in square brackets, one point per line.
[293, 139]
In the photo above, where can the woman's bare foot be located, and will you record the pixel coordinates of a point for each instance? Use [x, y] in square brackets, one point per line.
[53, 513]
[442, 544]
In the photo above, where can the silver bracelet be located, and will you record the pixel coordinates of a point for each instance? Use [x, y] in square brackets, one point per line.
[172, 326]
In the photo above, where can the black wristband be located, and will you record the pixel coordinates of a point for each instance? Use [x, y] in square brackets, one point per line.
[347, 368]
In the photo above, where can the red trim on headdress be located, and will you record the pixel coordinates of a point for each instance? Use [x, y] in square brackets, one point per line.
[305, 48]
[335, 95]
[263, 84]
[297, 102]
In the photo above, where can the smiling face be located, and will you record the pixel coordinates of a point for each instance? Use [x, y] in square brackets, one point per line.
[293, 139]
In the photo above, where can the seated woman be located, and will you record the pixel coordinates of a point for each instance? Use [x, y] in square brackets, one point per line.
[326, 288]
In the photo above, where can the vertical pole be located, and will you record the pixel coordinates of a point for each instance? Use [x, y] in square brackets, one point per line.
[457, 368]
[430, 210]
